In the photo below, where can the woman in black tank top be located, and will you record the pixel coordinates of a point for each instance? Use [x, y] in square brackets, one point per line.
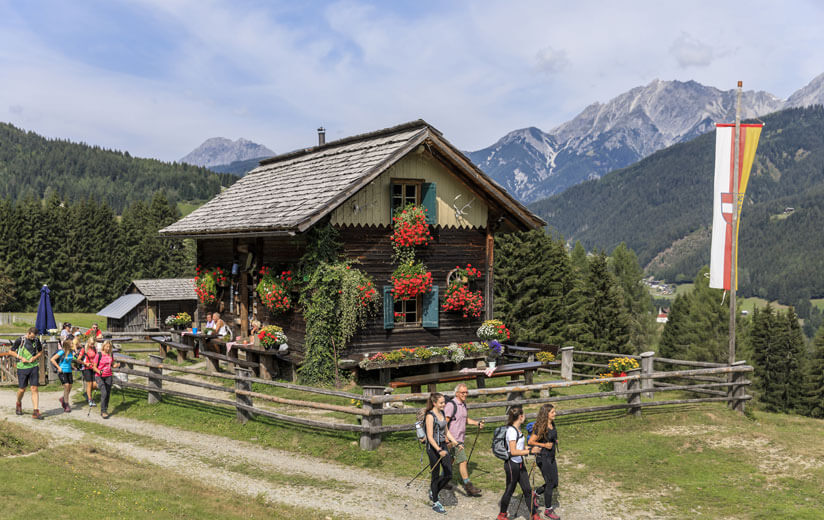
[437, 436]
[545, 436]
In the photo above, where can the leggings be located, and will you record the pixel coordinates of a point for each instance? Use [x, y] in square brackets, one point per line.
[442, 474]
[104, 384]
[549, 469]
[516, 474]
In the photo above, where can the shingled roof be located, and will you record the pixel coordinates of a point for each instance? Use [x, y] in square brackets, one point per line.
[289, 193]
[167, 289]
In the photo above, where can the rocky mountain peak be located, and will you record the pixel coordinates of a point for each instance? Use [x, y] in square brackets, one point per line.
[219, 150]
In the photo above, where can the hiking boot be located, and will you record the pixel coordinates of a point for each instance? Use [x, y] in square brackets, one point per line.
[535, 505]
[503, 516]
[62, 403]
[537, 516]
[19, 408]
[431, 499]
[104, 415]
[472, 490]
[550, 514]
[36, 414]
[438, 508]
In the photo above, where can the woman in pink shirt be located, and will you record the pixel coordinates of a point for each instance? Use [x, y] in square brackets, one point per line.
[104, 362]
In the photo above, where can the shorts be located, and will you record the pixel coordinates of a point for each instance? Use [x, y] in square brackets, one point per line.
[28, 377]
[88, 375]
[66, 378]
[458, 456]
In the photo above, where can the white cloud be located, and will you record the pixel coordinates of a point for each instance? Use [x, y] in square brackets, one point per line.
[689, 52]
[551, 60]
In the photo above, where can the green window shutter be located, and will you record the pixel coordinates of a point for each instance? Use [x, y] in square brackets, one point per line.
[430, 202]
[388, 308]
[430, 308]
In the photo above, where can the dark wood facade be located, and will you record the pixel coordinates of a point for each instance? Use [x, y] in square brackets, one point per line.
[372, 248]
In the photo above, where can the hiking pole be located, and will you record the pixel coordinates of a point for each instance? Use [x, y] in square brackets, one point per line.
[531, 501]
[424, 469]
[472, 450]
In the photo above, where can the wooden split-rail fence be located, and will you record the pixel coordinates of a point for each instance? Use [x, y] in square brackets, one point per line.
[707, 382]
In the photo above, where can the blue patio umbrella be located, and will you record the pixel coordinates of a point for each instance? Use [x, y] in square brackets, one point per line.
[45, 316]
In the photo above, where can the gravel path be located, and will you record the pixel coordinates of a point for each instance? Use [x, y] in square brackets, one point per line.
[215, 460]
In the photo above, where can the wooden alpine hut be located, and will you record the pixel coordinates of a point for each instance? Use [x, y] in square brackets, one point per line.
[355, 185]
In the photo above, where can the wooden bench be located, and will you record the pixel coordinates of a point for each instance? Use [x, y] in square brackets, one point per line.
[214, 358]
[182, 349]
[514, 370]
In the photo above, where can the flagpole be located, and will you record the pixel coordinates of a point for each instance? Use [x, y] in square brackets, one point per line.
[734, 263]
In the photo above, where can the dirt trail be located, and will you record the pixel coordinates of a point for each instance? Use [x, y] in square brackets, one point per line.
[368, 494]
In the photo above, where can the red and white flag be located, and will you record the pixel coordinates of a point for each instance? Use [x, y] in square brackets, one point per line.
[723, 196]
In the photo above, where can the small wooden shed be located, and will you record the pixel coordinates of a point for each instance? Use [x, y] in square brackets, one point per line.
[146, 304]
[355, 184]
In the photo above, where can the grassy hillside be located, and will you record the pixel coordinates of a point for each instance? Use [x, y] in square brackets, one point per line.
[662, 208]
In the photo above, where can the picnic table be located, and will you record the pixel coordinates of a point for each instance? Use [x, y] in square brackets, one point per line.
[514, 370]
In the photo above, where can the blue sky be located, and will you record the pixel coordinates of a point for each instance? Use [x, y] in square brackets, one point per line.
[158, 77]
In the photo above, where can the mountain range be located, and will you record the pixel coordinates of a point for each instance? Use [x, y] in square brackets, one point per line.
[532, 164]
[218, 151]
[661, 207]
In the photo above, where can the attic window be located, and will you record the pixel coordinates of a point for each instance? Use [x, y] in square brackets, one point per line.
[405, 192]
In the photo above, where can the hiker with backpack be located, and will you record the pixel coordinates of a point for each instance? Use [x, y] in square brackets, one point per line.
[62, 361]
[102, 366]
[86, 359]
[545, 436]
[437, 436]
[28, 350]
[508, 445]
[456, 416]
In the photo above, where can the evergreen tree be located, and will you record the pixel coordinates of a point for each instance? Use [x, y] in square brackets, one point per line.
[607, 323]
[697, 327]
[777, 345]
[624, 266]
[813, 390]
[533, 282]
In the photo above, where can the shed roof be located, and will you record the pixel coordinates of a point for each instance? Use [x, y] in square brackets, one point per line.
[121, 306]
[167, 289]
[291, 192]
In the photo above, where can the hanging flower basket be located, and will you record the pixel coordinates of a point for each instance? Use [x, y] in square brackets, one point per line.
[409, 280]
[205, 286]
[410, 227]
[458, 298]
[274, 291]
[220, 277]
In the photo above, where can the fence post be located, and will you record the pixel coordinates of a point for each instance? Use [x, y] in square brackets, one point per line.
[154, 368]
[736, 391]
[243, 383]
[634, 397]
[566, 363]
[646, 370]
[371, 441]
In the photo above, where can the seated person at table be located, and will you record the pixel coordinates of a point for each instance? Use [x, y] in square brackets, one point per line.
[220, 326]
[256, 326]
[210, 322]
